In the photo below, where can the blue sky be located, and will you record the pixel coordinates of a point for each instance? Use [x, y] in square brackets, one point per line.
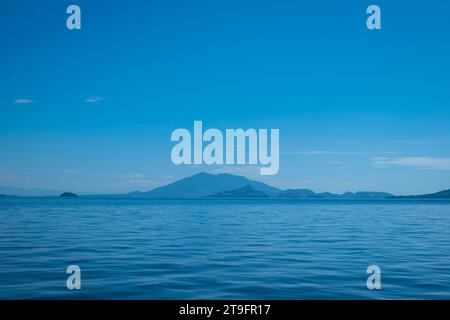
[93, 110]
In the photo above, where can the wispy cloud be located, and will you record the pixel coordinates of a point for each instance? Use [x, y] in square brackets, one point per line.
[415, 162]
[334, 162]
[94, 99]
[23, 101]
[321, 152]
[138, 179]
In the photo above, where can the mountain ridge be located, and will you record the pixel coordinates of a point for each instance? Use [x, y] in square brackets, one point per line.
[204, 184]
[309, 194]
[225, 185]
[444, 194]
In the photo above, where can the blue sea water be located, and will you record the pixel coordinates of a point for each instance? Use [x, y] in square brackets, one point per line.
[227, 249]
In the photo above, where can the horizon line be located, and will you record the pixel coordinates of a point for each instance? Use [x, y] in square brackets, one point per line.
[53, 192]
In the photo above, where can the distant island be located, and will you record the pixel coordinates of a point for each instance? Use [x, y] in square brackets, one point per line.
[228, 186]
[68, 195]
[309, 194]
[438, 195]
[205, 185]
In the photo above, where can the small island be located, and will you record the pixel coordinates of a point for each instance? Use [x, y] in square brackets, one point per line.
[68, 195]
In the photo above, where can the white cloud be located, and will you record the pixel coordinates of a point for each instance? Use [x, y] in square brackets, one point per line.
[139, 176]
[138, 179]
[321, 152]
[415, 162]
[94, 99]
[23, 101]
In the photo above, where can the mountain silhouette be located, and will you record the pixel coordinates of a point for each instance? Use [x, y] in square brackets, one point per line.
[226, 185]
[309, 194]
[445, 194]
[204, 184]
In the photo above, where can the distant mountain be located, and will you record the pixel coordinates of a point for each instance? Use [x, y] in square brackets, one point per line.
[221, 185]
[204, 184]
[438, 195]
[27, 192]
[365, 195]
[309, 194]
[227, 185]
[245, 192]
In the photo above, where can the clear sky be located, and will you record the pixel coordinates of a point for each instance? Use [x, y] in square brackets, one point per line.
[93, 110]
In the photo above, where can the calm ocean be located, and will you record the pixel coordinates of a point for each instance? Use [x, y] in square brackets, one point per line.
[210, 249]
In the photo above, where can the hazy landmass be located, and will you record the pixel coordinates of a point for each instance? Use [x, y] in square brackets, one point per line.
[438, 195]
[68, 195]
[224, 185]
[232, 186]
[309, 194]
[203, 185]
